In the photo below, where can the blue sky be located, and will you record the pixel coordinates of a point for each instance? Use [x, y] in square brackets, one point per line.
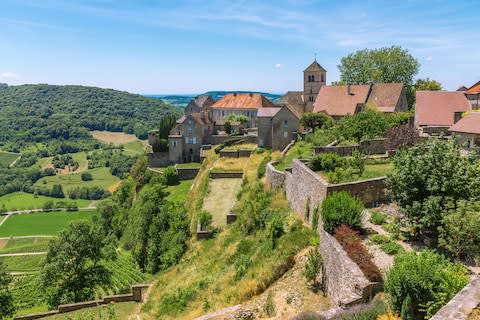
[192, 46]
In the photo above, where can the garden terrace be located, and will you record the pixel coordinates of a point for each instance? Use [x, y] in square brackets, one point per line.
[300, 150]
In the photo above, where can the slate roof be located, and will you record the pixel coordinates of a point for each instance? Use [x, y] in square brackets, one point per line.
[315, 66]
[437, 108]
[267, 112]
[336, 101]
[385, 96]
[243, 101]
[291, 98]
[468, 124]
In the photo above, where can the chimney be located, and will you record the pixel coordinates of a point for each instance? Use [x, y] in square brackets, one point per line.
[457, 116]
[251, 94]
[349, 90]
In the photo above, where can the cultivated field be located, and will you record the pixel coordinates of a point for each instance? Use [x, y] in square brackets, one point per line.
[26, 201]
[41, 223]
[116, 138]
[134, 148]
[6, 158]
[101, 178]
[17, 245]
[221, 198]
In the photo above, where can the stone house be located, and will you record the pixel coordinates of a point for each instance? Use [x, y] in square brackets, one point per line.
[468, 129]
[277, 127]
[338, 101]
[437, 111]
[246, 104]
[314, 77]
[473, 95]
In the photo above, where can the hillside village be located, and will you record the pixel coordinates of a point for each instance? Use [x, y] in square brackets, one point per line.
[342, 201]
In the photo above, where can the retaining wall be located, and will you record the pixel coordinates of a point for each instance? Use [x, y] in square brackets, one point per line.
[187, 173]
[235, 153]
[158, 159]
[135, 295]
[226, 175]
[275, 178]
[462, 305]
[374, 146]
[219, 139]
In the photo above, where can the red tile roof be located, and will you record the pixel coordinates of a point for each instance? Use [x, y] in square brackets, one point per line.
[243, 101]
[385, 96]
[437, 108]
[267, 112]
[475, 88]
[336, 101]
[468, 124]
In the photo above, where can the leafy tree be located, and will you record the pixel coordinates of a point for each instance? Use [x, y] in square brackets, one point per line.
[341, 208]
[427, 279]
[228, 127]
[430, 177]
[314, 120]
[7, 307]
[57, 191]
[459, 233]
[171, 176]
[275, 229]
[383, 65]
[401, 137]
[86, 176]
[107, 210]
[73, 267]
[427, 84]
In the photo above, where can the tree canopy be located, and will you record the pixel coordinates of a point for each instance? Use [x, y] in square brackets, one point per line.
[427, 84]
[7, 306]
[314, 120]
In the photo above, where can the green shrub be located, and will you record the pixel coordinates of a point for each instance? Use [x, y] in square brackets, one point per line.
[339, 175]
[428, 278]
[378, 218]
[205, 219]
[341, 208]
[379, 238]
[313, 265]
[263, 166]
[307, 210]
[315, 218]
[363, 312]
[171, 175]
[326, 162]
[276, 229]
[269, 307]
[86, 176]
[392, 248]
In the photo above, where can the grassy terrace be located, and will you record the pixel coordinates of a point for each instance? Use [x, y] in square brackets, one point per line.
[6, 158]
[25, 245]
[27, 201]
[243, 146]
[189, 165]
[300, 150]
[372, 170]
[179, 192]
[42, 223]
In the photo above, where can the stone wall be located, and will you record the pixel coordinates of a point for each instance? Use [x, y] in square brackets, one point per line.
[158, 159]
[374, 146]
[219, 139]
[226, 175]
[275, 178]
[187, 173]
[371, 192]
[135, 295]
[462, 305]
[235, 153]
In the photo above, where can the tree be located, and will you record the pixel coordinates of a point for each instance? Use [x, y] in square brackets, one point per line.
[314, 120]
[86, 176]
[383, 65]
[341, 208]
[401, 137]
[57, 191]
[7, 307]
[228, 127]
[427, 279]
[427, 179]
[459, 233]
[427, 84]
[107, 210]
[73, 267]
[167, 123]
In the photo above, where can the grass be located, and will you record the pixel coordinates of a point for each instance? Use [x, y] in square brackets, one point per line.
[121, 310]
[371, 171]
[134, 148]
[243, 146]
[26, 201]
[179, 192]
[116, 138]
[229, 164]
[189, 165]
[298, 151]
[101, 178]
[475, 315]
[6, 158]
[25, 245]
[42, 223]
[221, 198]
[23, 263]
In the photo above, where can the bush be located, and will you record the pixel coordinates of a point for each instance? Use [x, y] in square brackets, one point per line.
[315, 218]
[171, 175]
[313, 265]
[263, 166]
[377, 218]
[269, 307]
[86, 176]
[276, 229]
[379, 238]
[205, 219]
[428, 279]
[326, 162]
[352, 243]
[341, 208]
[392, 248]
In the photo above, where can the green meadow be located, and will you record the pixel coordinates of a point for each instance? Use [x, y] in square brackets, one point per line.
[27, 201]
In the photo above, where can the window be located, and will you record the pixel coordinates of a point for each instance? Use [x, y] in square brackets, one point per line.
[313, 78]
[190, 122]
[194, 140]
[174, 144]
[189, 129]
[311, 91]
[323, 77]
[285, 134]
[223, 113]
[285, 124]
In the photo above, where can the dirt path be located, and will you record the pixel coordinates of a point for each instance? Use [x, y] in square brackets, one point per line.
[23, 254]
[221, 199]
[26, 237]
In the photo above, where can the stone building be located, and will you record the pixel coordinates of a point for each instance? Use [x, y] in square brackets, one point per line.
[338, 101]
[473, 95]
[436, 111]
[277, 127]
[468, 129]
[314, 77]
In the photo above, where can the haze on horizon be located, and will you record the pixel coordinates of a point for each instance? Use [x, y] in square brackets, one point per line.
[189, 46]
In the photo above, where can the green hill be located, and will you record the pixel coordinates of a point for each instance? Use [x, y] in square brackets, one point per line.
[33, 114]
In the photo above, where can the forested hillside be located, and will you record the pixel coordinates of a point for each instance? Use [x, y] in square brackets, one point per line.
[32, 114]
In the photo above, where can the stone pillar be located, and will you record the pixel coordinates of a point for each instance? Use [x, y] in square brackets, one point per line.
[137, 291]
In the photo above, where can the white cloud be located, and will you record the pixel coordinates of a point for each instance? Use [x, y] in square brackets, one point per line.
[428, 58]
[9, 76]
[345, 43]
[278, 66]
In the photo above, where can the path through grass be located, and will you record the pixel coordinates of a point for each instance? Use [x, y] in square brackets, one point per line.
[221, 198]
[6, 158]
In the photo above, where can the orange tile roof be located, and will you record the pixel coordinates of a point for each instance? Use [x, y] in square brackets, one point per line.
[243, 101]
[437, 108]
[468, 124]
[336, 101]
[474, 89]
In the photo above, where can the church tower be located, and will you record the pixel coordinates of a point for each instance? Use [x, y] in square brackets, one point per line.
[314, 77]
